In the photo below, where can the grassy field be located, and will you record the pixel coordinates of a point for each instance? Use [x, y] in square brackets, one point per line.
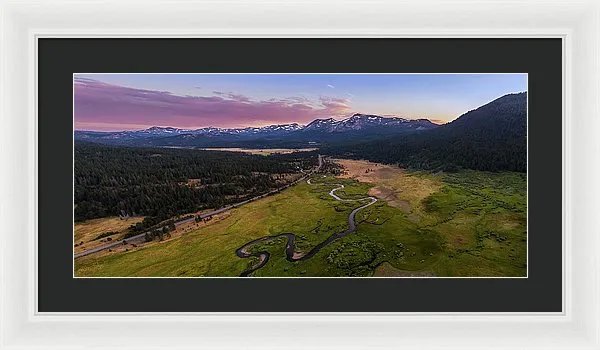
[463, 224]
[89, 230]
[210, 250]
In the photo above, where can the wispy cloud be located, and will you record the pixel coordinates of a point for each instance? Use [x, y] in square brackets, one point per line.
[336, 107]
[232, 96]
[102, 104]
[330, 86]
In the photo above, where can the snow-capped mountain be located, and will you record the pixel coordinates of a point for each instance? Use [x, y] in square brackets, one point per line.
[170, 131]
[282, 128]
[355, 126]
[157, 130]
[362, 121]
[321, 124]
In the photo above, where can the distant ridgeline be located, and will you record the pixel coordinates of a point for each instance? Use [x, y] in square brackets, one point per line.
[162, 182]
[492, 137]
[319, 132]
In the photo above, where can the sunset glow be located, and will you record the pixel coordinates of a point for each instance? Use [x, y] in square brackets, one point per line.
[110, 102]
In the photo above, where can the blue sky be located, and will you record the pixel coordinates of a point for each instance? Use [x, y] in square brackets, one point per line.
[232, 100]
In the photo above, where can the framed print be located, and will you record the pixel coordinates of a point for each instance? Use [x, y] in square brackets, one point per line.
[276, 174]
[368, 174]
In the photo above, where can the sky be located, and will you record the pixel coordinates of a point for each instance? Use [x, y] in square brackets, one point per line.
[114, 102]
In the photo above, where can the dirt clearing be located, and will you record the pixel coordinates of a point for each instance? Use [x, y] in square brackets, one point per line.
[87, 231]
[181, 231]
[388, 194]
[366, 171]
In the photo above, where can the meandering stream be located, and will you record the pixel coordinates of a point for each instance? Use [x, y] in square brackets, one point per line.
[290, 252]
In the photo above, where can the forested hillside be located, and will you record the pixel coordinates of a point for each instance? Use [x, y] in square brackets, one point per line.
[160, 182]
[492, 137]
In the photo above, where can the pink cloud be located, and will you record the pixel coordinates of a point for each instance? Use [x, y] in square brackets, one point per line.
[99, 105]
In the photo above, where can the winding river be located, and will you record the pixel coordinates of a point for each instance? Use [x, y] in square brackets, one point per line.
[290, 253]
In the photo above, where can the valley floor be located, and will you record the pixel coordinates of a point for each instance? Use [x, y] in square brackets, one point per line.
[462, 224]
[261, 151]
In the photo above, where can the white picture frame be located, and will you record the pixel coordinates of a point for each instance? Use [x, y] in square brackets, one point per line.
[577, 22]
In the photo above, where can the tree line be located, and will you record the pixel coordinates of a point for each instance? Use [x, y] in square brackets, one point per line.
[156, 182]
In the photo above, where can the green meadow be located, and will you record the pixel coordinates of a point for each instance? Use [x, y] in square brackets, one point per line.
[470, 223]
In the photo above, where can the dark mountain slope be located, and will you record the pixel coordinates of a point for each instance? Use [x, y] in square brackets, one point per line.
[492, 137]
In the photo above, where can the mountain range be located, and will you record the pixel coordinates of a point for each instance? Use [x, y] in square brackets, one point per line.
[317, 132]
[492, 137]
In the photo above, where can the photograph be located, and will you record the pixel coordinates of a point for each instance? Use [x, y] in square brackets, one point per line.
[300, 175]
